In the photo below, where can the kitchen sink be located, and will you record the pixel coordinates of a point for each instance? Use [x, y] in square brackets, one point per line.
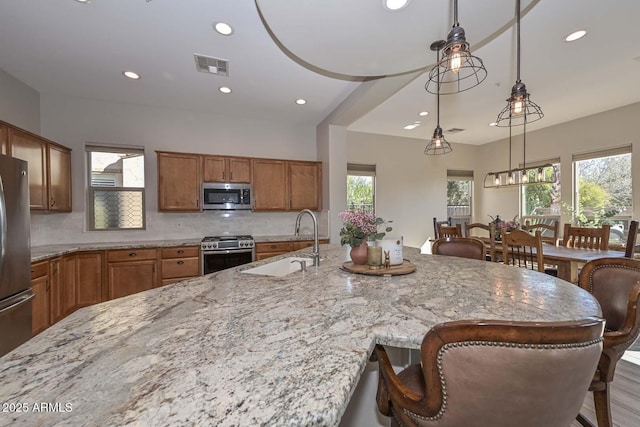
[279, 268]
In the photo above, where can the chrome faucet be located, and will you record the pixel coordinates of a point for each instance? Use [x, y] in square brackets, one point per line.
[316, 246]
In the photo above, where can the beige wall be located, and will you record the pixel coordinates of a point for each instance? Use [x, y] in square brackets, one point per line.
[19, 103]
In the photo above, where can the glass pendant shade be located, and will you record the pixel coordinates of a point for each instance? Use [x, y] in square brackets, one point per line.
[457, 70]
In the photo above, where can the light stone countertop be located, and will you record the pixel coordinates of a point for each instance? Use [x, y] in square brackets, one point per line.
[235, 349]
[43, 252]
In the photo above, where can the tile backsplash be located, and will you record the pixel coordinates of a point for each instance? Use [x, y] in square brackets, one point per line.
[47, 229]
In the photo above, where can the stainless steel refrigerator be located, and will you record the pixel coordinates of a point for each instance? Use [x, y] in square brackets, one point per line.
[15, 254]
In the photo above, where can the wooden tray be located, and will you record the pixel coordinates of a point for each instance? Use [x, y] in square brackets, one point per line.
[395, 270]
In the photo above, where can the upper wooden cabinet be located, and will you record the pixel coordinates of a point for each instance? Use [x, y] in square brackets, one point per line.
[49, 167]
[226, 169]
[286, 185]
[305, 185]
[59, 178]
[179, 182]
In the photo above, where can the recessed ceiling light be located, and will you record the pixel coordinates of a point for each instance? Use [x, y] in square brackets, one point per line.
[394, 5]
[575, 36]
[224, 89]
[301, 101]
[132, 75]
[492, 124]
[411, 126]
[423, 113]
[223, 28]
[82, 1]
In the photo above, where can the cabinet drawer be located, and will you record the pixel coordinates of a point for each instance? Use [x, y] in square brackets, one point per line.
[266, 255]
[274, 247]
[181, 252]
[131, 255]
[181, 267]
[39, 269]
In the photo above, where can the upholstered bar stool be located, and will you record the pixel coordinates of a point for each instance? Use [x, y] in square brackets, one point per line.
[465, 247]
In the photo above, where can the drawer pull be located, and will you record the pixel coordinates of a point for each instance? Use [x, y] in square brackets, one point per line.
[180, 262]
[273, 246]
[133, 254]
[180, 251]
[32, 270]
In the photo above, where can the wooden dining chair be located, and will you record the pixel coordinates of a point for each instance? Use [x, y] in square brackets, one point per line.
[630, 247]
[615, 283]
[437, 224]
[586, 237]
[521, 249]
[493, 373]
[465, 247]
[449, 231]
[488, 232]
[550, 232]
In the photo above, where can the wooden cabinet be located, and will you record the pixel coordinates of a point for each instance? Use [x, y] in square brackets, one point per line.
[40, 288]
[286, 185]
[226, 169]
[179, 263]
[302, 244]
[270, 249]
[62, 286]
[131, 271]
[4, 139]
[59, 178]
[89, 278]
[179, 182]
[270, 185]
[33, 150]
[305, 185]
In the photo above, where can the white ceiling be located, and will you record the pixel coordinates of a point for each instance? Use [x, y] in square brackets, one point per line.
[320, 50]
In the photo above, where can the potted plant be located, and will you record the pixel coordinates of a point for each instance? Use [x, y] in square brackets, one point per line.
[360, 226]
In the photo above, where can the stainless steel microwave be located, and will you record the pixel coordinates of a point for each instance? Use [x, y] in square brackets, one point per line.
[225, 196]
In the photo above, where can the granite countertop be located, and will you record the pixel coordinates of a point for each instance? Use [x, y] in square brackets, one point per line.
[236, 349]
[40, 253]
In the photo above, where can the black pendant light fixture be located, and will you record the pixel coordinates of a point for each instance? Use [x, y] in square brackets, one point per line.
[520, 110]
[457, 70]
[438, 144]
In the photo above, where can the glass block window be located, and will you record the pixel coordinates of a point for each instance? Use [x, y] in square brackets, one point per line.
[116, 188]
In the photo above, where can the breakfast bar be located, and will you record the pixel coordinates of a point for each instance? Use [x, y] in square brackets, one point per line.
[236, 349]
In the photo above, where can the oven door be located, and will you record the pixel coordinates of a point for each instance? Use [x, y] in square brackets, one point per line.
[213, 261]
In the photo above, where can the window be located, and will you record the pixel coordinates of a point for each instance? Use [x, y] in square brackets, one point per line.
[602, 191]
[459, 196]
[541, 203]
[361, 184]
[116, 188]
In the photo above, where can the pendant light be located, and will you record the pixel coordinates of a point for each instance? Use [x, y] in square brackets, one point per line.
[438, 144]
[520, 110]
[457, 70]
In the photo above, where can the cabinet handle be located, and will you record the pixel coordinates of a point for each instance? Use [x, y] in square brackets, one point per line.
[231, 176]
[197, 203]
[53, 202]
[180, 262]
[223, 175]
[32, 270]
[47, 287]
[133, 254]
[273, 246]
[180, 251]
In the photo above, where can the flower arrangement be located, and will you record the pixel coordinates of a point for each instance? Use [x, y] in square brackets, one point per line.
[360, 225]
[504, 226]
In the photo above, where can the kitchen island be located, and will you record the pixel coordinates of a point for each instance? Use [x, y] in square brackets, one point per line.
[235, 349]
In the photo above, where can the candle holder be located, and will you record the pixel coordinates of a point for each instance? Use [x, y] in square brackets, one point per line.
[374, 257]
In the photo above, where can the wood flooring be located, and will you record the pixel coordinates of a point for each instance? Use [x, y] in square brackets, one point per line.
[625, 393]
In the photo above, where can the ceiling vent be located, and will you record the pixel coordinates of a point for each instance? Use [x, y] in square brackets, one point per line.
[454, 130]
[208, 64]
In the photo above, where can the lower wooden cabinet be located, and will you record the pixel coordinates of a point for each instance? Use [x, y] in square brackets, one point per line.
[40, 289]
[270, 249]
[89, 274]
[179, 263]
[130, 271]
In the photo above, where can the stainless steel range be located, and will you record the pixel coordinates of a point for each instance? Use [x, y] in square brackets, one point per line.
[221, 252]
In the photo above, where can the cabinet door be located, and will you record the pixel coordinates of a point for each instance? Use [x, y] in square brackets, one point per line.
[34, 151]
[55, 290]
[179, 182]
[239, 170]
[4, 139]
[214, 169]
[126, 278]
[68, 285]
[40, 288]
[270, 186]
[59, 178]
[305, 183]
[88, 278]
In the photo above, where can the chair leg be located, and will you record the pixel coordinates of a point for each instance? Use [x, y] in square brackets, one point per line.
[584, 421]
[603, 408]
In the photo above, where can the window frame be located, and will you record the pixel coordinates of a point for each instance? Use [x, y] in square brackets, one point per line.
[360, 169]
[90, 195]
[552, 216]
[467, 176]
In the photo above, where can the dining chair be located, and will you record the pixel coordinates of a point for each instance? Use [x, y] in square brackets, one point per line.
[586, 237]
[550, 232]
[488, 231]
[522, 249]
[615, 283]
[437, 224]
[630, 247]
[449, 231]
[493, 373]
[465, 247]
